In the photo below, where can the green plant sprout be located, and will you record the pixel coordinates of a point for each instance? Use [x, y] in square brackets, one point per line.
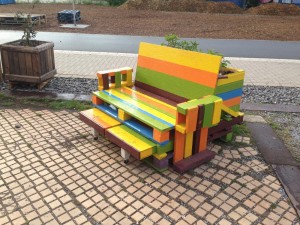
[174, 41]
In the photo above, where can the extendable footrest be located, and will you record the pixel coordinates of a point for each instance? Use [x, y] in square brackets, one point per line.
[98, 120]
[134, 143]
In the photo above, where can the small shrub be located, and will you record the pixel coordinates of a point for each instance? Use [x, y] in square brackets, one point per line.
[174, 41]
[116, 2]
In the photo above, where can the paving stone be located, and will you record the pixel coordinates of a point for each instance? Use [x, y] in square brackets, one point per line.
[69, 173]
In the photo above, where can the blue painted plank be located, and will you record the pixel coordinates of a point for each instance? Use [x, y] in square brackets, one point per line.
[133, 124]
[231, 94]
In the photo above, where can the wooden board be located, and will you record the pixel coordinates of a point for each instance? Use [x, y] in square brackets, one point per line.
[193, 161]
[131, 141]
[10, 18]
[184, 73]
[98, 120]
[152, 120]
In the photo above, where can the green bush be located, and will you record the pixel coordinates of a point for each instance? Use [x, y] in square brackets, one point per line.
[252, 3]
[174, 41]
[116, 2]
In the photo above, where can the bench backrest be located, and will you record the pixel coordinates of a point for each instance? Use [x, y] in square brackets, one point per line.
[176, 74]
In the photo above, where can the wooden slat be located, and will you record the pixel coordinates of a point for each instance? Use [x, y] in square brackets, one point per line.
[136, 113]
[36, 67]
[4, 57]
[206, 62]
[22, 64]
[171, 84]
[183, 72]
[137, 142]
[141, 105]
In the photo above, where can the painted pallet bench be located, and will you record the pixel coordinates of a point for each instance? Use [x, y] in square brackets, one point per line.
[175, 106]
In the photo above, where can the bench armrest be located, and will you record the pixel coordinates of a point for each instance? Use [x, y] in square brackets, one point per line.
[114, 78]
[204, 112]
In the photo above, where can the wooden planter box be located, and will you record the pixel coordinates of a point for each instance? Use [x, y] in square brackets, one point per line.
[28, 64]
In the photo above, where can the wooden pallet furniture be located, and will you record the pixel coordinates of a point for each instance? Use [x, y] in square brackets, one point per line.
[67, 16]
[175, 106]
[13, 19]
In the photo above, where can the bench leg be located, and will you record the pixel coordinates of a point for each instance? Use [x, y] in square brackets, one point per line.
[125, 155]
[95, 133]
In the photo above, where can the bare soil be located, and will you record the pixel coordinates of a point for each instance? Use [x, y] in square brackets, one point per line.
[209, 23]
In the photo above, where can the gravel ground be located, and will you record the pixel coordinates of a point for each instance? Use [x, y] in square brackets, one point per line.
[251, 94]
[287, 127]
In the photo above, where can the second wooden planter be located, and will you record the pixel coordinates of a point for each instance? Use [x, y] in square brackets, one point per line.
[26, 63]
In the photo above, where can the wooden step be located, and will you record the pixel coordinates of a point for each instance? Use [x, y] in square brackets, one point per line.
[137, 145]
[98, 120]
[193, 161]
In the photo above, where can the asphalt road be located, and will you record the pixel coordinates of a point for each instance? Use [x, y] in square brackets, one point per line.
[129, 44]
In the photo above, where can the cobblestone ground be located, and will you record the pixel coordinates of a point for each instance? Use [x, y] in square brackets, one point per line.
[53, 172]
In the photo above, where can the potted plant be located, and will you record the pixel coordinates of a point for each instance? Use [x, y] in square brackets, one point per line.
[28, 60]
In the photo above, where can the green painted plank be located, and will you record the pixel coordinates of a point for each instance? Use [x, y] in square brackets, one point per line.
[143, 117]
[118, 79]
[235, 107]
[148, 161]
[208, 114]
[229, 87]
[183, 107]
[174, 85]
[165, 148]
[148, 104]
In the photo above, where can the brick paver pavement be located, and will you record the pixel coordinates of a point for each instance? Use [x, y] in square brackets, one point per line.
[269, 72]
[53, 172]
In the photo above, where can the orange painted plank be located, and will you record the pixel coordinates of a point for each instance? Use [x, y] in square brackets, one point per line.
[180, 118]
[187, 73]
[161, 136]
[203, 139]
[178, 146]
[96, 100]
[191, 119]
[147, 99]
[232, 101]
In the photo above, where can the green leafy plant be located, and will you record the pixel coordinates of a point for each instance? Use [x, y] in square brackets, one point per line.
[174, 41]
[29, 32]
[116, 2]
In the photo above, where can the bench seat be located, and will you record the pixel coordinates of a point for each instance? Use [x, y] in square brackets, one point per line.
[153, 112]
[176, 104]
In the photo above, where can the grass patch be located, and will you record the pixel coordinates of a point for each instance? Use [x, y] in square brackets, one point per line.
[72, 104]
[7, 103]
[45, 103]
[273, 206]
[275, 125]
[241, 130]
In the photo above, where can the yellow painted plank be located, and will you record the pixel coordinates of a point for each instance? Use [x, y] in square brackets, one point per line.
[231, 112]
[104, 117]
[155, 100]
[123, 115]
[188, 146]
[160, 156]
[142, 106]
[114, 70]
[206, 62]
[236, 76]
[134, 140]
[181, 128]
[217, 112]
[129, 78]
